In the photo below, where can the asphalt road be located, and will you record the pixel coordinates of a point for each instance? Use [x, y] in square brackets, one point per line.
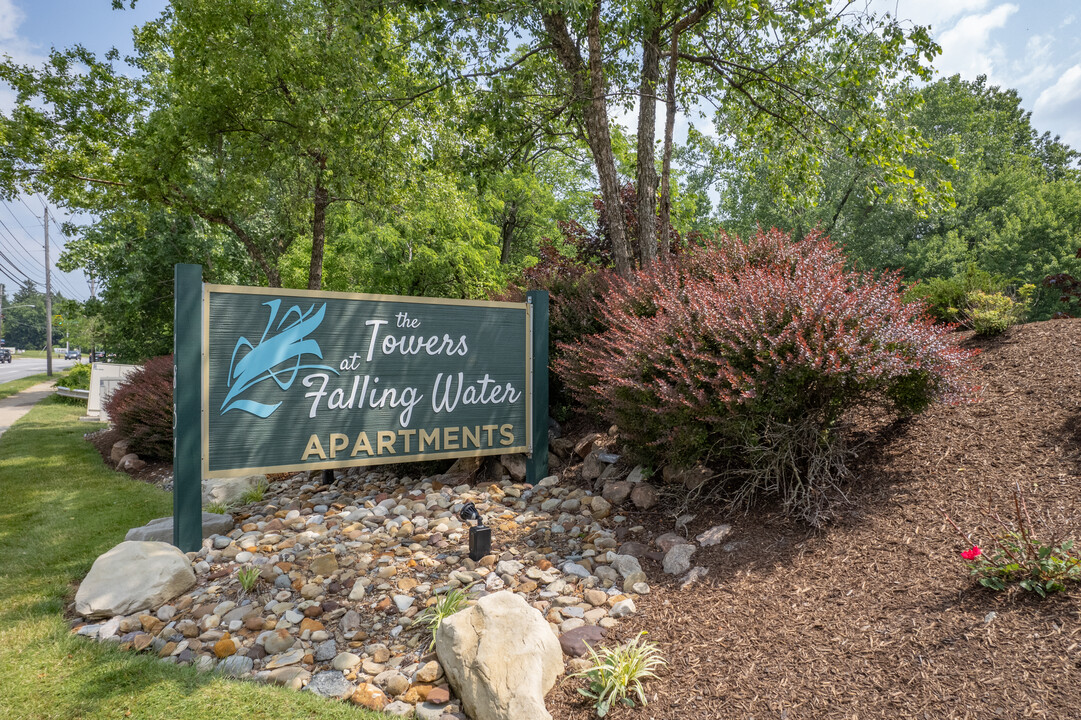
[22, 367]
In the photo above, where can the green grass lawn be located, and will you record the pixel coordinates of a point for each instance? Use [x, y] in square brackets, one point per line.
[60, 508]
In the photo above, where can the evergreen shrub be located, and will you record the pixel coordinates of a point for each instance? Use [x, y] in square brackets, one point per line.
[745, 355]
[141, 408]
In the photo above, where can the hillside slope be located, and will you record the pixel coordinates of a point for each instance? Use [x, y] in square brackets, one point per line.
[876, 616]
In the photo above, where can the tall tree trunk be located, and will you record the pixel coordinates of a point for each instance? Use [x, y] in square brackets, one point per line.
[647, 130]
[319, 231]
[666, 162]
[595, 111]
[699, 12]
[510, 220]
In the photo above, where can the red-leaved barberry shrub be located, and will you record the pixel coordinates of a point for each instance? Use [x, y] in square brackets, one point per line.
[744, 355]
[141, 408]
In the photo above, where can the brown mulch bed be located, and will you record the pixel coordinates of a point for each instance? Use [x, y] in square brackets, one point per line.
[876, 616]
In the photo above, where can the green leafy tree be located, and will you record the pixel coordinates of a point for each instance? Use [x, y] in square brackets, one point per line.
[257, 116]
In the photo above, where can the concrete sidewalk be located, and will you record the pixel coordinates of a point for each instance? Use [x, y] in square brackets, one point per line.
[14, 407]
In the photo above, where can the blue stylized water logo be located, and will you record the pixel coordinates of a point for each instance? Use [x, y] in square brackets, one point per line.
[277, 357]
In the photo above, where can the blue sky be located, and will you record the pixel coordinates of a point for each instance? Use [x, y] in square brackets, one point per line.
[1033, 46]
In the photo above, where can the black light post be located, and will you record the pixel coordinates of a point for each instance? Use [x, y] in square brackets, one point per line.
[480, 535]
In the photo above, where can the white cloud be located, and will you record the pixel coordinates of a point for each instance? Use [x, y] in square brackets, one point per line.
[927, 12]
[12, 43]
[967, 47]
[1059, 106]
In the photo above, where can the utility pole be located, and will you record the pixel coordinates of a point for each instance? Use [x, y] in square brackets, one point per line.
[48, 303]
[1, 313]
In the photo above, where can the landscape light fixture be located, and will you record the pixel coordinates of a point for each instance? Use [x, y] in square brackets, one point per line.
[480, 535]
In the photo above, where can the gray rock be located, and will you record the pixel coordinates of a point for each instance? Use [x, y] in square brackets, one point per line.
[161, 529]
[678, 560]
[133, 576]
[695, 574]
[331, 684]
[623, 608]
[131, 461]
[592, 467]
[236, 665]
[429, 711]
[714, 535]
[515, 466]
[399, 709]
[293, 678]
[326, 651]
[627, 565]
[229, 490]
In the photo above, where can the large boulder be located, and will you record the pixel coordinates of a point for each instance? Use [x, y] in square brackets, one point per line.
[501, 658]
[229, 490]
[133, 576]
[161, 529]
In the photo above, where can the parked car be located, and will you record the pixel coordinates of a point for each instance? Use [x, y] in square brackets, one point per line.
[98, 356]
[5, 355]
[73, 355]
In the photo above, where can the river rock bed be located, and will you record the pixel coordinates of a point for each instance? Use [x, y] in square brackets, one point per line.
[344, 568]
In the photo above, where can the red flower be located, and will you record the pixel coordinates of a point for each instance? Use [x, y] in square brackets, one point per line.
[972, 554]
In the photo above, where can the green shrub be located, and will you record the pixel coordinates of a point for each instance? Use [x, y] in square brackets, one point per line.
[947, 298]
[141, 408]
[993, 313]
[78, 378]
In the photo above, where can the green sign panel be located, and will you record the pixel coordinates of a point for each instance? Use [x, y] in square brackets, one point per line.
[307, 380]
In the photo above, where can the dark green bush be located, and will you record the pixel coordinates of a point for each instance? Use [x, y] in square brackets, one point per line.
[947, 298]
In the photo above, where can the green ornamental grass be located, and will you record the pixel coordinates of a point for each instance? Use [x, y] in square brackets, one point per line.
[618, 671]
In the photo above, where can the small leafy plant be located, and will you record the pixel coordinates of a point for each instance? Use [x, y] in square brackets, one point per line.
[1014, 555]
[219, 508]
[444, 607]
[619, 670]
[995, 313]
[255, 494]
[248, 578]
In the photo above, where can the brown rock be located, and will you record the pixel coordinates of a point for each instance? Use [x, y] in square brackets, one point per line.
[119, 450]
[644, 496]
[369, 696]
[313, 611]
[383, 604]
[596, 598]
[585, 445]
[417, 693]
[254, 623]
[574, 641]
[142, 641]
[616, 491]
[429, 672]
[167, 650]
[225, 647]
[439, 695]
[324, 565]
[309, 624]
[407, 583]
